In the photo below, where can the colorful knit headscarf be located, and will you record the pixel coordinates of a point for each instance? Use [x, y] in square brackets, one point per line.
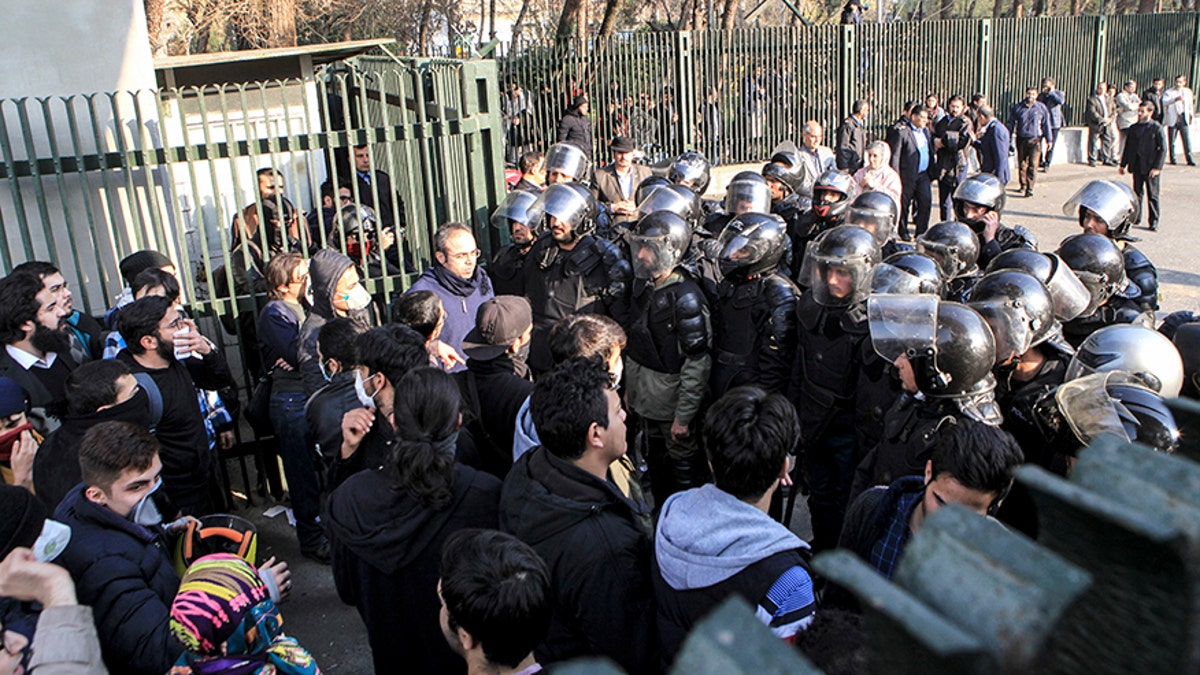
[225, 618]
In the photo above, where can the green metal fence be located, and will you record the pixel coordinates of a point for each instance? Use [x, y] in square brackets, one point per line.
[735, 94]
[92, 178]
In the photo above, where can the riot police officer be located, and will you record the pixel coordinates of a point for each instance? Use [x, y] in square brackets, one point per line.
[754, 315]
[1107, 208]
[791, 193]
[979, 202]
[833, 191]
[512, 216]
[909, 273]
[1098, 263]
[667, 359]
[1141, 351]
[943, 351]
[568, 270]
[566, 163]
[956, 249]
[878, 213]
[831, 333]
[693, 170]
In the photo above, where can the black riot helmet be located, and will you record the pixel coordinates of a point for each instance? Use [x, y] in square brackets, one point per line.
[832, 193]
[690, 169]
[877, 212]
[908, 272]
[1071, 297]
[647, 186]
[1140, 351]
[747, 193]
[1117, 403]
[1098, 263]
[949, 346]
[657, 243]
[1112, 202]
[841, 262]
[751, 244]
[570, 203]
[568, 160]
[786, 168]
[677, 199]
[1017, 307]
[953, 245]
[981, 189]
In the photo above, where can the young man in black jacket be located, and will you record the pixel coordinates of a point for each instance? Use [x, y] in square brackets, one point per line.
[161, 342]
[559, 500]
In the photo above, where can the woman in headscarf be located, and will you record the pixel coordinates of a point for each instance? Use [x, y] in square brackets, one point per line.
[227, 622]
[878, 174]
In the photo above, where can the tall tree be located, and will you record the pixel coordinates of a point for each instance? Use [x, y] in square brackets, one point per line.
[571, 12]
[729, 14]
[609, 23]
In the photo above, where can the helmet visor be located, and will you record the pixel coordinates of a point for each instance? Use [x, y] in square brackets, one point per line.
[838, 282]
[1071, 297]
[879, 224]
[887, 278]
[747, 197]
[563, 203]
[665, 199]
[944, 255]
[739, 249]
[1107, 200]
[902, 323]
[1010, 326]
[1088, 409]
[514, 207]
[652, 256]
[568, 160]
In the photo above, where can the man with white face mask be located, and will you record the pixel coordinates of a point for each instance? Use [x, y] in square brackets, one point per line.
[116, 555]
[336, 291]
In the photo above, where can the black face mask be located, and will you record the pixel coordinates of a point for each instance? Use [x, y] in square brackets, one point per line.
[134, 411]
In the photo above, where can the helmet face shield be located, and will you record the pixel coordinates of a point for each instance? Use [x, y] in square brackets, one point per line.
[690, 169]
[887, 278]
[668, 198]
[1071, 297]
[1088, 409]
[514, 207]
[751, 244]
[953, 245]
[567, 160]
[745, 196]
[1010, 326]
[1106, 199]
[652, 256]
[836, 282]
[566, 205]
[881, 225]
[902, 324]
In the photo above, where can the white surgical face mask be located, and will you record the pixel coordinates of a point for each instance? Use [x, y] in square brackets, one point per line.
[617, 372]
[145, 512]
[360, 389]
[52, 541]
[358, 298]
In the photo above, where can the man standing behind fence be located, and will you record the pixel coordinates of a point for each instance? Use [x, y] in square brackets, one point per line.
[852, 138]
[1029, 122]
[912, 158]
[616, 182]
[1178, 107]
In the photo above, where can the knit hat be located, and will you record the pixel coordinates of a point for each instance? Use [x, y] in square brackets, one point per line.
[136, 263]
[12, 397]
[21, 518]
[214, 597]
[578, 101]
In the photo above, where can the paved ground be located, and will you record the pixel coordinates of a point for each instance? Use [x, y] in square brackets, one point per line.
[333, 632]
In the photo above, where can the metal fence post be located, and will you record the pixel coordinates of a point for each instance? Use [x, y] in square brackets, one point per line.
[984, 76]
[1195, 50]
[846, 73]
[1101, 49]
[685, 88]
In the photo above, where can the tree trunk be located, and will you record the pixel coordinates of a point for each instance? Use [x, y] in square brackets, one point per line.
[154, 26]
[1076, 7]
[516, 31]
[947, 10]
[1018, 8]
[423, 30]
[997, 9]
[729, 15]
[572, 9]
[279, 23]
[1147, 6]
[609, 23]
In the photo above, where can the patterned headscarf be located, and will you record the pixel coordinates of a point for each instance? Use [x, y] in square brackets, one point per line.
[228, 623]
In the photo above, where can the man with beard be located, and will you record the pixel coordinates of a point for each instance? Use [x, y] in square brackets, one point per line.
[36, 346]
[159, 341]
[85, 333]
[953, 136]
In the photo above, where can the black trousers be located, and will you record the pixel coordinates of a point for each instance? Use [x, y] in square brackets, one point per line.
[1050, 147]
[1180, 128]
[916, 197]
[1143, 182]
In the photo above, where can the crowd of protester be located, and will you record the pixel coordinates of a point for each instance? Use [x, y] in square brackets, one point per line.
[585, 444]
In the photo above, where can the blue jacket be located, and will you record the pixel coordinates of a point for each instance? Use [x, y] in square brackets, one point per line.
[1054, 100]
[993, 151]
[122, 572]
[460, 309]
[1029, 121]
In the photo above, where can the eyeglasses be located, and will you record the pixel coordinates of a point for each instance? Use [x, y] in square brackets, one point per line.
[174, 325]
[467, 255]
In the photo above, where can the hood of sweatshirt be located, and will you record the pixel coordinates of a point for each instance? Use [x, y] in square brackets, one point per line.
[324, 270]
[706, 536]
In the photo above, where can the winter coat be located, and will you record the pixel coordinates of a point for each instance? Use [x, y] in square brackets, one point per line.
[324, 270]
[121, 570]
[460, 301]
[387, 551]
[576, 129]
[598, 555]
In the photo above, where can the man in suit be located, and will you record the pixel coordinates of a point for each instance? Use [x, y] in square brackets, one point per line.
[1029, 122]
[852, 138]
[992, 144]
[1143, 157]
[1154, 95]
[375, 190]
[1178, 107]
[953, 135]
[1099, 114]
[1053, 98]
[913, 158]
[617, 182]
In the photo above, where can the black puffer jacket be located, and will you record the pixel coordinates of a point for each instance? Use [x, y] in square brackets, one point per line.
[122, 572]
[599, 557]
[576, 129]
[387, 549]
